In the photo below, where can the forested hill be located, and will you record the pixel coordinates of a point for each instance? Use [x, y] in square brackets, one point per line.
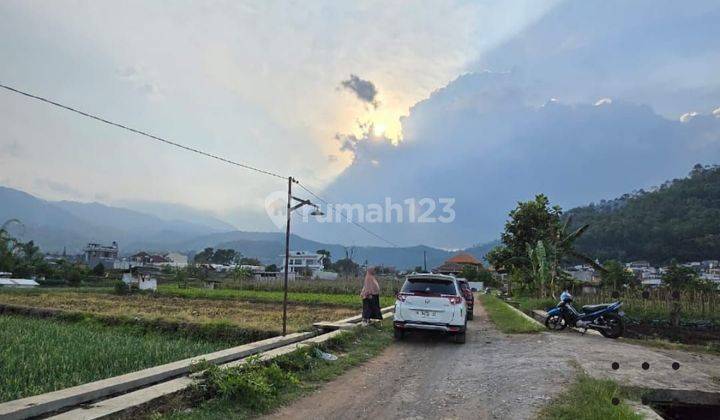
[678, 220]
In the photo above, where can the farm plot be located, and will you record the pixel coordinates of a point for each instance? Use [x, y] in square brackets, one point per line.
[272, 296]
[42, 355]
[247, 315]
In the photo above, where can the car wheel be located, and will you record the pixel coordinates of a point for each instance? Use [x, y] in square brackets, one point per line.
[399, 333]
[459, 338]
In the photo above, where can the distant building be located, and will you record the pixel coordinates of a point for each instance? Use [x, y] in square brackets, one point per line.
[301, 262]
[101, 254]
[172, 259]
[455, 265]
[141, 277]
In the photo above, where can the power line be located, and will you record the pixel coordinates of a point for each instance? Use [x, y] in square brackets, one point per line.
[188, 148]
[347, 217]
[142, 133]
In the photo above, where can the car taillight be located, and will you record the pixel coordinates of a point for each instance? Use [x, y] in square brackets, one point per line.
[402, 296]
[455, 300]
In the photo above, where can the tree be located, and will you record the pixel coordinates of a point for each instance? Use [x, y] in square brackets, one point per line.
[468, 272]
[616, 276]
[224, 256]
[535, 242]
[249, 261]
[99, 270]
[678, 277]
[486, 278]
[346, 266]
[205, 256]
[271, 268]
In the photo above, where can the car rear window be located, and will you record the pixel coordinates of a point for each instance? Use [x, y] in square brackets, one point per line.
[429, 286]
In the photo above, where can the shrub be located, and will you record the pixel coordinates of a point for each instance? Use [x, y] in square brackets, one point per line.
[253, 385]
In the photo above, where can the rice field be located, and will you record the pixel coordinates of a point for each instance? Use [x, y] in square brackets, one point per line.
[43, 355]
[244, 314]
[272, 296]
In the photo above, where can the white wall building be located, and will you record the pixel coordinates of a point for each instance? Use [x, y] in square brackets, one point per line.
[301, 261]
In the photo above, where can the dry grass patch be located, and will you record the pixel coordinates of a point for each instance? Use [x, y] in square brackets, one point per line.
[259, 316]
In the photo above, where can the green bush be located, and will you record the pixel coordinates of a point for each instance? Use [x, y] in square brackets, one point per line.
[253, 385]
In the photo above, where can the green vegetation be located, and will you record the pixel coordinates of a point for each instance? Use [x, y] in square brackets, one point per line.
[590, 398]
[42, 355]
[507, 320]
[345, 300]
[535, 243]
[680, 220]
[258, 388]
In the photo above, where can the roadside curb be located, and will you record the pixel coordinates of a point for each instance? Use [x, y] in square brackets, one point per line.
[523, 314]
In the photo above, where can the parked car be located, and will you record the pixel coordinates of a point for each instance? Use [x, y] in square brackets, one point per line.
[433, 302]
[469, 297]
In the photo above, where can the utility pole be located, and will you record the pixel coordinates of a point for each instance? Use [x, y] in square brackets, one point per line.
[290, 209]
[425, 261]
[287, 255]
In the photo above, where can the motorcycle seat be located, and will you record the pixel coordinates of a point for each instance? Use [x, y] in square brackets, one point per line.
[594, 308]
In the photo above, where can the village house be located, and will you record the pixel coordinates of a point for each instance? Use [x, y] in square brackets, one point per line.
[455, 265]
[95, 254]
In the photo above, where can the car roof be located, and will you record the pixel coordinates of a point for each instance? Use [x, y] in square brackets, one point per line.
[430, 276]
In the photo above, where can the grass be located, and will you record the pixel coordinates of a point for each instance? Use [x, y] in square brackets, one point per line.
[162, 309]
[590, 398]
[506, 319]
[261, 388]
[271, 296]
[42, 355]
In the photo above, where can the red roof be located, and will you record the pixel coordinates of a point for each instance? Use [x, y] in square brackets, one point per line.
[464, 258]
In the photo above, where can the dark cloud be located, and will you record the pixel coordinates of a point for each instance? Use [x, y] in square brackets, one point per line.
[365, 90]
[479, 141]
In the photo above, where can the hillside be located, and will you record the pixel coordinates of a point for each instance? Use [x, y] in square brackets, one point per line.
[55, 225]
[58, 225]
[678, 220]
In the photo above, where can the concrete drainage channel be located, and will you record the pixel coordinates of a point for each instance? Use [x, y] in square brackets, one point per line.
[669, 403]
[131, 391]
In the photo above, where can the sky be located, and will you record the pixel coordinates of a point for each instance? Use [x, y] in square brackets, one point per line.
[487, 102]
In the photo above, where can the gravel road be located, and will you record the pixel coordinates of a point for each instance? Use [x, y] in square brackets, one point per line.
[493, 375]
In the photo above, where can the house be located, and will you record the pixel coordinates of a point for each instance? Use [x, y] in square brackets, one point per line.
[172, 259]
[303, 262]
[101, 254]
[141, 277]
[455, 265]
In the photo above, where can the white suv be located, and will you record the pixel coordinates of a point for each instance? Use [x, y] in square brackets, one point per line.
[431, 302]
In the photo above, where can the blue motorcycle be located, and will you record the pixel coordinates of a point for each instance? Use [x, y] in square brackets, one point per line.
[605, 318]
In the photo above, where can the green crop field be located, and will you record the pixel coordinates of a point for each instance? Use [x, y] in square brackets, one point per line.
[42, 355]
[271, 296]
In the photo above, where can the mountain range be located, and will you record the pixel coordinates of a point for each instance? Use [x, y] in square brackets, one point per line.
[69, 225]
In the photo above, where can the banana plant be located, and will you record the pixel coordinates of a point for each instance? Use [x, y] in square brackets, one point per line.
[541, 266]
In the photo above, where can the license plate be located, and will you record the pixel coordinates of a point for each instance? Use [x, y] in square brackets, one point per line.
[621, 313]
[426, 314]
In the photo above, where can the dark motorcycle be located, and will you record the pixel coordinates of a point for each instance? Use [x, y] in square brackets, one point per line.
[605, 318]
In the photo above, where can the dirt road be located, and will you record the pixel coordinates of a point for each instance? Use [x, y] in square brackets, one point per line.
[493, 375]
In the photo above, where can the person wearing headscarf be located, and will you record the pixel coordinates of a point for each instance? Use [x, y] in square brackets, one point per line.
[371, 297]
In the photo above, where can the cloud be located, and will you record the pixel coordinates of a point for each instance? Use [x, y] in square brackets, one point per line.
[716, 112]
[365, 90]
[140, 78]
[688, 116]
[58, 189]
[479, 141]
[603, 101]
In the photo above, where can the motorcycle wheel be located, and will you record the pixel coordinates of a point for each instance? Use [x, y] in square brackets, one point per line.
[616, 324]
[555, 323]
